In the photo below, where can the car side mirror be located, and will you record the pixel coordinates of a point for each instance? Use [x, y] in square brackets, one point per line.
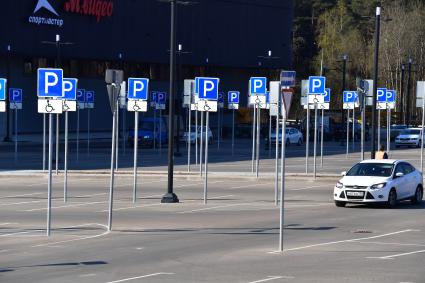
[399, 174]
[343, 173]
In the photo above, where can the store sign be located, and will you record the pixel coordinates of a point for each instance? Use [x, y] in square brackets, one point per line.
[95, 8]
[52, 20]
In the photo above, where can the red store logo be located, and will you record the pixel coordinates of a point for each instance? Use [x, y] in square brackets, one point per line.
[96, 8]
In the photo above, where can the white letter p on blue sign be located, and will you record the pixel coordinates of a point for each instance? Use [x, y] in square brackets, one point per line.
[50, 82]
[316, 85]
[138, 88]
[208, 88]
[257, 86]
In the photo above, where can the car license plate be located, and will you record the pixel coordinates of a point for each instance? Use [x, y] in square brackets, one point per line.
[355, 194]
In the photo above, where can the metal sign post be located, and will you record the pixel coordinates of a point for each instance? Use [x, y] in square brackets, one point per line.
[196, 135]
[15, 103]
[65, 182]
[201, 143]
[88, 131]
[49, 85]
[113, 78]
[57, 144]
[422, 134]
[353, 133]
[16, 135]
[160, 132]
[189, 136]
[315, 140]
[81, 101]
[388, 128]
[275, 100]
[154, 128]
[348, 131]
[206, 157]
[307, 140]
[233, 132]
[379, 128]
[136, 140]
[233, 104]
[258, 141]
[117, 136]
[363, 113]
[44, 142]
[321, 137]
[254, 122]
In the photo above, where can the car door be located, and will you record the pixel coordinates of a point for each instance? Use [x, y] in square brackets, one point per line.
[410, 179]
[399, 183]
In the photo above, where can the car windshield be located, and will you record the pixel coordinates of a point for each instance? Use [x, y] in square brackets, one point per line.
[146, 126]
[411, 132]
[371, 169]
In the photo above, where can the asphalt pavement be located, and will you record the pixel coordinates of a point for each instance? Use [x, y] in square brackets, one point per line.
[233, 238]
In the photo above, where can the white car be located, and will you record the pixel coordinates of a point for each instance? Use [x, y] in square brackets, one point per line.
[192, 138]
[384, 181]
[409, 137]
[292, 136]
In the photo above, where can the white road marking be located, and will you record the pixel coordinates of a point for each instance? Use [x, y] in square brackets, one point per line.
[219, 197]
[19, 233]
[65, 206]
[252, 185]
[88, 275]
[270, 278]
[345, 241]
[306, 188]
[22, 202]
[395, 244]
[23, 195]
[213, 207]
[8, 223]
[93, 195]
[139, 277]
[78, 239]
[398, 255]
[131, 207]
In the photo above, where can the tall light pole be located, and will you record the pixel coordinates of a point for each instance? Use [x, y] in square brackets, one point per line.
[7, 137]
[170, 196]
[408, 108]
[344, 70]
[403, 104]
[375, 79]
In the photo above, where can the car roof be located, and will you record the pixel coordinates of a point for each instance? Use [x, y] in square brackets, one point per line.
[384, 161]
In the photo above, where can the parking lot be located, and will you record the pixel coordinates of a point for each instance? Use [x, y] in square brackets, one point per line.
[233, 238]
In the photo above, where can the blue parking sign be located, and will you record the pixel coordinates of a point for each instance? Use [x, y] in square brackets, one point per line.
[138, 88]
[161, 98]
[349, 97]
[49, 82]
[233, 97]
[327, 98]
[390, 96]
[90, 96]
[15, 95]
[81, 95]
[70, 89]
[381, 95]
[3, 89]
[196, 86]
[208, 88]
[257, 86]
[316, 85]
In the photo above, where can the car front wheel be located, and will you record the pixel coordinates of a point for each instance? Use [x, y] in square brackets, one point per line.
[417, 198]
[340, 203]
[392, 199]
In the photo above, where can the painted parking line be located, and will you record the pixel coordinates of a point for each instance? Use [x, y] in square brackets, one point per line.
[397, 255]
[252, 185]
[53, 244]
[20, 233]
[140, 277]
[8, 223]
[213, 207]
[65, 206]
[345, 241]
[311, 187]
[22, 202]
[270, 278]
[131, 207]
[23, 195]
[393, 244]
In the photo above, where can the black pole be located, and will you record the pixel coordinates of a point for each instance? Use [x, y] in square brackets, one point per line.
[170, 197]
[344, 70]
[402, 104]
[375, 79]
[178, 104]
[408, 108]
[7, 137]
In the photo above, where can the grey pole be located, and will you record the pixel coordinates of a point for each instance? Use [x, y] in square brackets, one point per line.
[270, 134]
[379, 128]
[16, 135]
[218, 128]
[117, 136]
[375, 78]
[65, 183]
[57, 144]
[422, 135]
[315, 140]
[321, 139]
[49, 180]
[189, 142]
[307, 140]
[154, 128]
[363, 126]
[136, 140]
[353, 133]
[113, 152]
[78, 133]
[44, 142]
[196, 135]
[276, 189]
[160, 132]
[233, 131]
[206, 160]
[282, 186]
[124, 120]
[201, 143]
[254, 120]
[88, 131]
[388, 128]
[348, 130]
[257, 167]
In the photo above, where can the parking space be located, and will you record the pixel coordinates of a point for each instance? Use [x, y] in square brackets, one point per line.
[233, 238]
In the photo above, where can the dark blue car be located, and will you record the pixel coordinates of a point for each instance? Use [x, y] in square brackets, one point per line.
[151, 131]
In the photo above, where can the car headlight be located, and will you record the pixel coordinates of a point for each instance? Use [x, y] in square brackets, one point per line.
[339, 185]
[378, 186]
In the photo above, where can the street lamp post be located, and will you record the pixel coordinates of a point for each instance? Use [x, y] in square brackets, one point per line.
[170, 196]
[344, 69]
[408, 108]
[7, 137]
[402, 117]
[375, 79]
